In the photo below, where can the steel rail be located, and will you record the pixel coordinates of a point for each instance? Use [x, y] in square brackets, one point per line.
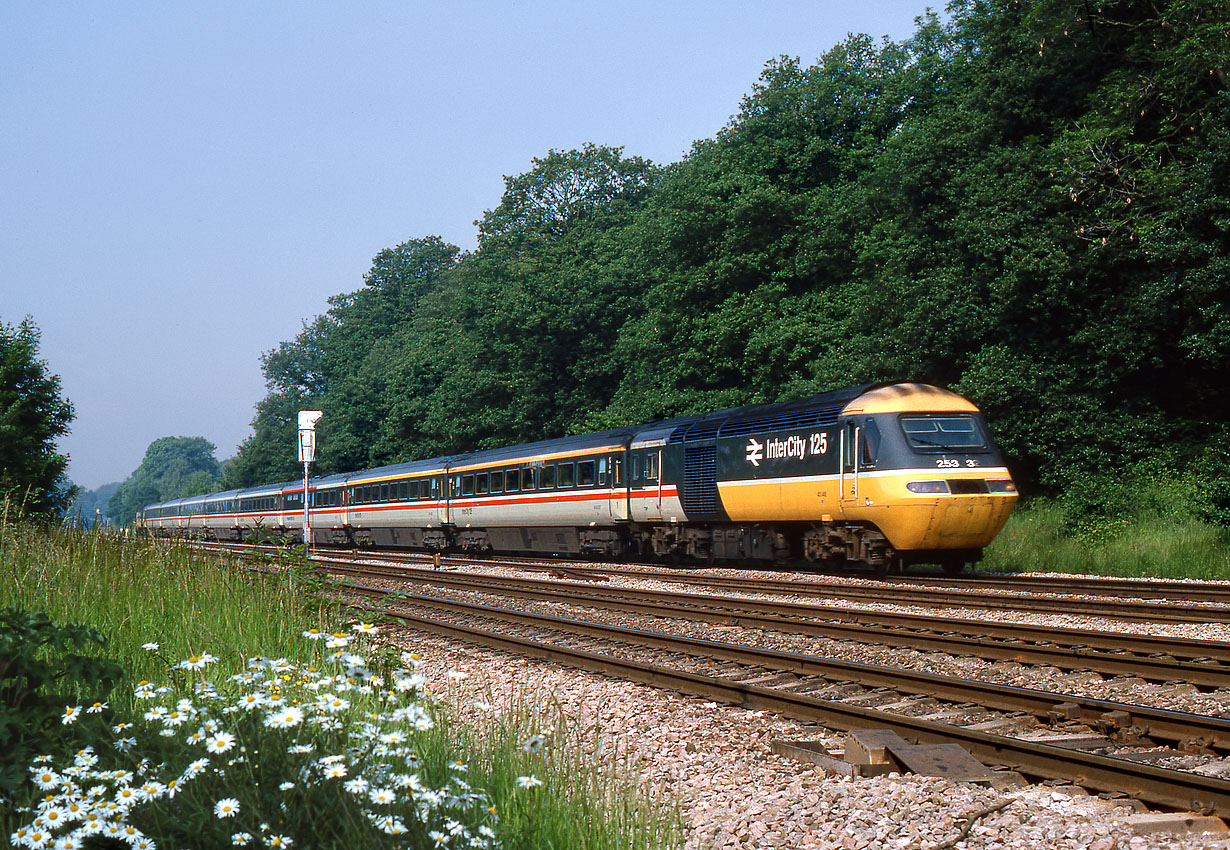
[1175, 727]
[1149, 783]
[873, 588]
[1064, 648]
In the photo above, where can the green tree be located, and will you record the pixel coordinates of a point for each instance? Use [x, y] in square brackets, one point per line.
[173, 467]
[33, 415]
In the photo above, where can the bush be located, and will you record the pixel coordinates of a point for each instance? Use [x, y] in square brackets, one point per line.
[42, 677]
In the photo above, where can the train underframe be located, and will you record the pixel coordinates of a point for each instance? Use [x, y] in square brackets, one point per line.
[829, 545]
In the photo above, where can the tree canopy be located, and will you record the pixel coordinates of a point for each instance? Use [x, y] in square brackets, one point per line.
[173, 467]
[1028, 202]
[33, 416]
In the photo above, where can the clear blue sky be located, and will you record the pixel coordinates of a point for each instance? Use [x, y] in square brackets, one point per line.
[182, 185]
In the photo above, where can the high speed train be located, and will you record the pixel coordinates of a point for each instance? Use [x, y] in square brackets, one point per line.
[885, 475]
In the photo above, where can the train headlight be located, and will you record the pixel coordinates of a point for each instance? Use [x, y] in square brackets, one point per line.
[1000, 485]
[927, 487]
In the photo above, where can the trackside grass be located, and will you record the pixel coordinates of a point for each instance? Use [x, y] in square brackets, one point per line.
[254, 714]
[1043, 536]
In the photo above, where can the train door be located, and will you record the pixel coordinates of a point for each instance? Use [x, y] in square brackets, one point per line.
[850, 440]
[611, 478]
[645, 484]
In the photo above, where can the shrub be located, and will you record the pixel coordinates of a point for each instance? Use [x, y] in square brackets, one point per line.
[42, 676]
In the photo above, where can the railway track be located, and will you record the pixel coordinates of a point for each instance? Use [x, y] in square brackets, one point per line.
[843, 695]
[1106, 746]
[1204, 664]
[1123, 599]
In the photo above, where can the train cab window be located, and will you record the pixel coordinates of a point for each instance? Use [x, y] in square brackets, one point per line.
[564, 474]
[943, 433]
[585, 473]
[513, 477]
[546, 477]
[481, 483]
[467, 485]
[497, 482]
[871, 443]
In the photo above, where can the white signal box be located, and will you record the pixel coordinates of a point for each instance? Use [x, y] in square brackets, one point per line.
[307, 434]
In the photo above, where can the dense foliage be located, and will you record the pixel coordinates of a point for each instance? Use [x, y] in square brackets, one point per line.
[1029, 202]
[33, 416]
[173, 467]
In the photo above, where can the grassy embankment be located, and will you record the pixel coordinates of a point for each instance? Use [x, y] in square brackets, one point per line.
[137, 592]
[1153, 523]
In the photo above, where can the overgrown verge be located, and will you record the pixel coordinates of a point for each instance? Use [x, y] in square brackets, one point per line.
[250, 715]
[1158, 520]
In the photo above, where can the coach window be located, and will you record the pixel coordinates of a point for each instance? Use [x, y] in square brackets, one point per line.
[497, 481]
[467, 485]
[564, 475]
[513, 477]
[546, 477]
[528, 476]
[585, 473]
[480, 483]
[636, 468]
[651, 467]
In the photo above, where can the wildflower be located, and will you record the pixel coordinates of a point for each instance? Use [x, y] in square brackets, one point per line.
[227, 807]
[286, 786]
[197, 662]
[333, 704]
[195, 769]
[438, 837]
[51, 817]
[364, 628]
[241, 838]
[528, 781]
[456, 675]
[151, 646]
[220, 743]
[458, 765]
[533, 743]
[411, 659]
[392, 826]
[299, 749]
[252, 700]
[284, 719]
[382, 796]
[71, 713]
[125, 744]
[313, 634]
[97, 708]
[355, 786]
[144, 843]
[394, 737]
[278, 841]
[46, 779]
[37, 839]
[335, 771]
